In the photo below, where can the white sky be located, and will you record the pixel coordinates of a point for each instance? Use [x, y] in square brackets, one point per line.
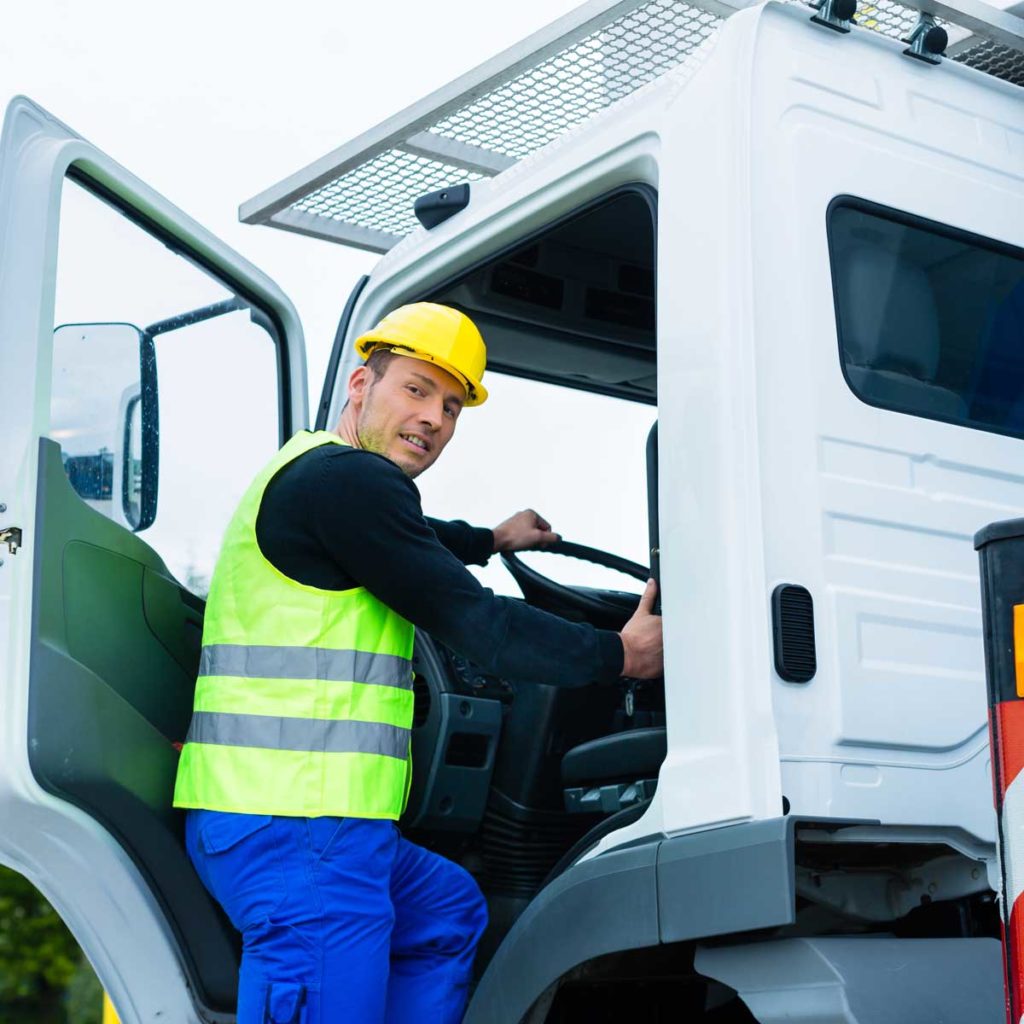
[210, 103]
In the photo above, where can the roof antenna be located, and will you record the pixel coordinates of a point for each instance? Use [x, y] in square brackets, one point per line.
[835, 14]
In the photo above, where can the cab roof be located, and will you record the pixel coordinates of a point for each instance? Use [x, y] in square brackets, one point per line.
[362, 193]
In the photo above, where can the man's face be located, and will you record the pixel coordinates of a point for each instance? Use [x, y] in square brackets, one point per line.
[409, 414]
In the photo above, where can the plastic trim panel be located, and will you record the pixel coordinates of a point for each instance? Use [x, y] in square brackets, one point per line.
[863, 980]
[722, 881]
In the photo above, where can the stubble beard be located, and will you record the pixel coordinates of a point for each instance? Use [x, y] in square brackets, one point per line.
[373, 439]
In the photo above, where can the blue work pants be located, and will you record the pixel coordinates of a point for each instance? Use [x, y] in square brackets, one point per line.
[343, 921]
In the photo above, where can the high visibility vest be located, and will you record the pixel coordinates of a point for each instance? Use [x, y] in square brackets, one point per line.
[304, 701]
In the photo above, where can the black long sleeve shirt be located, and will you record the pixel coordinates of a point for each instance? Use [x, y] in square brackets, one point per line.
[339, 517]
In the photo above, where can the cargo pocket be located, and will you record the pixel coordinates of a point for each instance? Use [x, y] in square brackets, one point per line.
[286, 1003]
[241, 865]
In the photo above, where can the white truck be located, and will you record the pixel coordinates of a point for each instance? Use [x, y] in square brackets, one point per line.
[792, 234]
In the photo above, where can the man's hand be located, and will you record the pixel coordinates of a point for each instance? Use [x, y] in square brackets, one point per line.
[642, 651]
[523, 532]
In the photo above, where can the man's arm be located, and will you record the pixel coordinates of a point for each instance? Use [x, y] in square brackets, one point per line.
[473, 545]
[367, 518]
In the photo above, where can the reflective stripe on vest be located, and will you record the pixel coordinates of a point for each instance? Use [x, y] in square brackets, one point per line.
[304, 700]
[324, 735]
[305, 663]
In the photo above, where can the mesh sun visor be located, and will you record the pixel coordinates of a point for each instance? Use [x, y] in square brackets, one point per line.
[565, 90]
[379, 194]
[362, 194]
[513, 120]
[537, 98]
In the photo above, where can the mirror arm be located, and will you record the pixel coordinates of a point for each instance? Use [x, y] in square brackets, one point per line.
[195, 316]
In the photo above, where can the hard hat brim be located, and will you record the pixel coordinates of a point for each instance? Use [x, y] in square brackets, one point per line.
[476, 393]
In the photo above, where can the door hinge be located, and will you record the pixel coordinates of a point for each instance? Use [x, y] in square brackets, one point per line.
[11, 536]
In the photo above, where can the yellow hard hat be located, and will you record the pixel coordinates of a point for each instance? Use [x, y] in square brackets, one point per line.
[436, 334]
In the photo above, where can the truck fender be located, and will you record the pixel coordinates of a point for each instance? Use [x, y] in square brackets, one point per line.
[864, 979]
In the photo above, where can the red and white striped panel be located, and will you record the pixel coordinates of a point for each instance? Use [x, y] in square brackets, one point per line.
[1009, 741]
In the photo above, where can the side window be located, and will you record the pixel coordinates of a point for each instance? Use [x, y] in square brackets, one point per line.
[165, 384]
[569, 317]
[930, 319]
[575, 456]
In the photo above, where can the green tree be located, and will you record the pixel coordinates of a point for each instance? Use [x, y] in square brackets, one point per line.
[38, 956]
[84, 996]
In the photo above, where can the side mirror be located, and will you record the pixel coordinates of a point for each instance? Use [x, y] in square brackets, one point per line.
[105, 417]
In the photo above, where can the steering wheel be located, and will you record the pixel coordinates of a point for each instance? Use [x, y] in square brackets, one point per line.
[606, 606]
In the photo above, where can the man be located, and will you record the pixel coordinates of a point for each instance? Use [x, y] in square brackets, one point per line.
[296, 763]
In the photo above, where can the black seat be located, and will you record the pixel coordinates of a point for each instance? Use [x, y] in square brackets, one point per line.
[630, 755]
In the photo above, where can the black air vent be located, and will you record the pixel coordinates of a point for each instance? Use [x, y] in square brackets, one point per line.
[420, 700]
[527, 286]
[636, 280]
[467, 750]
[793, 626]
[616, 308]
[526, 257]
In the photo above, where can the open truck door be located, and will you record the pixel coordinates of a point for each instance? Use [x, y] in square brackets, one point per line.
[148, 371]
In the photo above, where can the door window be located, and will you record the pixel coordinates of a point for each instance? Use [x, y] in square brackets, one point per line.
[569, 318]
[164, 385]
[576, 457]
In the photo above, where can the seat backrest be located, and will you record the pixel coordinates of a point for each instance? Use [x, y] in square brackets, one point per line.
[890, 333]
[995, 391]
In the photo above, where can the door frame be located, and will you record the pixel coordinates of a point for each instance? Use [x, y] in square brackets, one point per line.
[67, 855]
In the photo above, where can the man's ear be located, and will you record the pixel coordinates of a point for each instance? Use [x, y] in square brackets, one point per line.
[358, 385]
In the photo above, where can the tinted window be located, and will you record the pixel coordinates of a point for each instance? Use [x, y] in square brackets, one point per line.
[930, 319]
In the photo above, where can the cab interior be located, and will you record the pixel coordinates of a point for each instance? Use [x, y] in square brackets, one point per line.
[514, 781]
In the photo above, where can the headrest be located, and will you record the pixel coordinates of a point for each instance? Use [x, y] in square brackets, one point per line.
[889, 319]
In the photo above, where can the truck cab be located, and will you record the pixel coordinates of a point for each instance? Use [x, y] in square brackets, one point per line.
[757, 311]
